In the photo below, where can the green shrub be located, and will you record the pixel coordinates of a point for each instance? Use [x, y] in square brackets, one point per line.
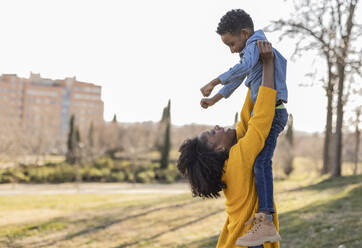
[13, 175]
[6, 177]
[169, 175]
[146, 176]
[116, 177]
[104, 162]
[121, 165]
[40, 174]
[65, 173]
[51, 164]
[94, 174]
[103, 170]
[130, 176]
[53, 174]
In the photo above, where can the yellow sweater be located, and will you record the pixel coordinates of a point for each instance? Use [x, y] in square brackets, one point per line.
[240, 193]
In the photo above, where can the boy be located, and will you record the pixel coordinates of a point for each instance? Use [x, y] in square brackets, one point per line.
[236, 29]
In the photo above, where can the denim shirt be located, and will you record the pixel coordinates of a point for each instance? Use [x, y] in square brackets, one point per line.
[251, 67]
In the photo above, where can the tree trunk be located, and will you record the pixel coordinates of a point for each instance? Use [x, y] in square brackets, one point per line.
[358, 112]
[336, 172]
[328, 132]
[288, 165]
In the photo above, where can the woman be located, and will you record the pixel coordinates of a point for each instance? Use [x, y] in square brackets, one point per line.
[222, 159]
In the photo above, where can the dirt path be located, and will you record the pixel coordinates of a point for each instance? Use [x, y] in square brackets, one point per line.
[92, 188]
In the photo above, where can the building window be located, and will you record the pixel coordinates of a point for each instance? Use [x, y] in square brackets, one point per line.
[88, 97]
[41, 93]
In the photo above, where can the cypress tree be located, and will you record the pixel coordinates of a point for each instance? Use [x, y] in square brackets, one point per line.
[79, 156]
[91, 135]
[77, 136]
[71, 143]
[236, 119]
[166, 146]
[114, 118]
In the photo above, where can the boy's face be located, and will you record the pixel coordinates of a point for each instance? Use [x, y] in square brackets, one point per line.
[236, 42]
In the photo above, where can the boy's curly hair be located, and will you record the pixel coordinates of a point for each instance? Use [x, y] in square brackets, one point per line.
[234, 21]
[203, 167]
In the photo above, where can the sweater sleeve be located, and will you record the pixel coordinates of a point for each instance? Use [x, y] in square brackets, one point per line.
[258, 126]
[245, 114]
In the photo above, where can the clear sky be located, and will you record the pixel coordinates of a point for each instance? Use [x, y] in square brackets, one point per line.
[143, 53]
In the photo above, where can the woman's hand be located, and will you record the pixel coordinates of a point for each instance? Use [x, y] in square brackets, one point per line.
[267, 58]
[265, 51]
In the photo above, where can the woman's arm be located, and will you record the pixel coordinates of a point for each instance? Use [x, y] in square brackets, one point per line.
[267, 58]
[245, 115]
[259, 125]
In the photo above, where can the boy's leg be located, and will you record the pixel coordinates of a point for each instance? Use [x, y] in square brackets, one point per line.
[263, 163]
[264, 229]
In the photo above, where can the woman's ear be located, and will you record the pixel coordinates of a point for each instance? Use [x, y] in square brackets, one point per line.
[220, 148]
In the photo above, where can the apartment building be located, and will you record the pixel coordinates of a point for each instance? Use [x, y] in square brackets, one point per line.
[44, 106]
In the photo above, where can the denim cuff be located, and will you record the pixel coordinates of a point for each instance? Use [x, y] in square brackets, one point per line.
[224, 77]
[224, 93]
[267, 209]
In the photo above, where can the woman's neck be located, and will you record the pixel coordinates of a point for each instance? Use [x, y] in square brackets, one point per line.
[234, 140]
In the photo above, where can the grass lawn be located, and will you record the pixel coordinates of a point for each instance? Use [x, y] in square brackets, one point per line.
[314, 212]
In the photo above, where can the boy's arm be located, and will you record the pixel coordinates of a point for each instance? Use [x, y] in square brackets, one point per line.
[224, 92]
[229, 88]
[247, 62]
[236, 73]
[207, 89]
[245, 114]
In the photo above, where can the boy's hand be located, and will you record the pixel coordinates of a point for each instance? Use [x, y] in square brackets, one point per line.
[206, 102]
[265, 51]
[207, 89]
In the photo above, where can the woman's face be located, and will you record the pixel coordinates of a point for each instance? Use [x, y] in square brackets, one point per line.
[218, 138]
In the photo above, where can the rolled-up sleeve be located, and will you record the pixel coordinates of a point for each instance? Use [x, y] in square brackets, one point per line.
[247, 62]
[229, 88]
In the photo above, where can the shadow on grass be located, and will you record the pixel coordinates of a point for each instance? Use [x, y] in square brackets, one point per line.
[202, 243]
[104, 222]
[321, 224]
[15, 232]
[171, 229]
[117, 221]
[332, 183]
[329, 223]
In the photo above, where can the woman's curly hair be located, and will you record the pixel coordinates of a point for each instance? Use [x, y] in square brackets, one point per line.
[203, 167]
[234, 21]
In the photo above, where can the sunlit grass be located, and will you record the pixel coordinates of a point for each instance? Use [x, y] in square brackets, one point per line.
[314, 212]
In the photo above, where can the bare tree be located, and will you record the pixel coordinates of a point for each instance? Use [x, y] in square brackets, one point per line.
[357, 139]
[327, 27]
